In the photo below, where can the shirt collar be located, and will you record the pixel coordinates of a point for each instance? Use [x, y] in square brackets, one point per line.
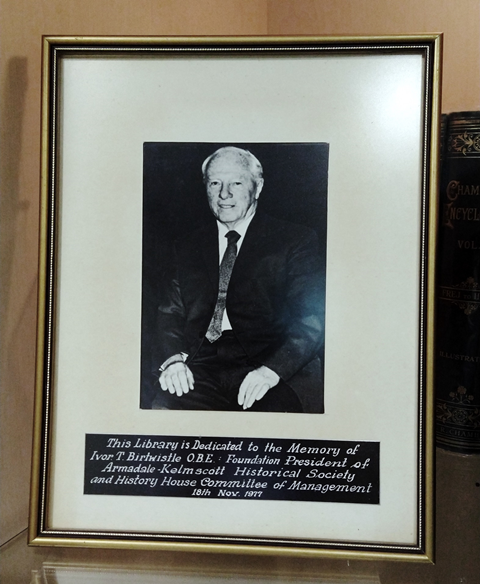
[240, 228]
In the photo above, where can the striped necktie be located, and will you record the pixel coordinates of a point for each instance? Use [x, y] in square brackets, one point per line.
[214, 331]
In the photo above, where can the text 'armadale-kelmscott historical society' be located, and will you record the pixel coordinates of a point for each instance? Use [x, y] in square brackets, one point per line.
[235, 468]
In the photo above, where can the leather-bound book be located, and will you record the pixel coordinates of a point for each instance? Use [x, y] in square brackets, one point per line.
[458, 286]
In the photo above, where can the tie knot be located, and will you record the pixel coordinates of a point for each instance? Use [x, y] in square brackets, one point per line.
[232, 237]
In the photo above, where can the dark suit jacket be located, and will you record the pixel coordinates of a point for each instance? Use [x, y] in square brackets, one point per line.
[275, 301]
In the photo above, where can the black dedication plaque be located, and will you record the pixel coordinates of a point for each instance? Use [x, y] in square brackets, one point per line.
[233, 468]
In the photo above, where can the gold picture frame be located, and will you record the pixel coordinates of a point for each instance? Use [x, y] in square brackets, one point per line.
[375, 103]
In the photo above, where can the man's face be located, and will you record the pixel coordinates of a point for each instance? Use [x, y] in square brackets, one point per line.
[232, 190]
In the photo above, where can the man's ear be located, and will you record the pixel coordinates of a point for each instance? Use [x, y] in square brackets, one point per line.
[259, 187]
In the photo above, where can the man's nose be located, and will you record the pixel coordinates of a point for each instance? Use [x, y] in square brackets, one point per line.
[225, 192]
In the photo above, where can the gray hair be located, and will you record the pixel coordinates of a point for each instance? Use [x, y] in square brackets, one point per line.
[244, 157]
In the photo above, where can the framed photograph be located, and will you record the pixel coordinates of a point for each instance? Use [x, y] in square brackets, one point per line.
[236, 295]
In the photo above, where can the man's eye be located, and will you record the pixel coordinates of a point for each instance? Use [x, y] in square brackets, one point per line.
[214, 183]
[237, 184]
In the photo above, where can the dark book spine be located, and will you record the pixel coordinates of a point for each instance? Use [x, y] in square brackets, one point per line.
[458, 308]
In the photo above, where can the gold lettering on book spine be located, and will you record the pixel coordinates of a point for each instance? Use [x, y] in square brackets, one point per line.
[465, 295]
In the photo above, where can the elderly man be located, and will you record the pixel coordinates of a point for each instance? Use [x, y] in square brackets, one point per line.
[241, 324]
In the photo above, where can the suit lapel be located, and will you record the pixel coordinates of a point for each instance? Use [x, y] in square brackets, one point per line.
[253, 244]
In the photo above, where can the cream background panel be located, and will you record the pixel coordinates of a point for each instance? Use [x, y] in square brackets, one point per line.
[111, 107]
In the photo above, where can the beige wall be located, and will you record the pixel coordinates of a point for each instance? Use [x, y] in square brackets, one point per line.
[22, 24]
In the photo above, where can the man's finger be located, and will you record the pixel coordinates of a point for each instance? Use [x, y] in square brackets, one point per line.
[250, 391]
[170, 384]
[183, 382]
[243, 389]
[190, 379]
[163, 384]
[244, 398]
[255, 395]
[249, 388]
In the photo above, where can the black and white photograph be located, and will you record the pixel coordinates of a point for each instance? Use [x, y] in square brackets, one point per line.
[234, 325]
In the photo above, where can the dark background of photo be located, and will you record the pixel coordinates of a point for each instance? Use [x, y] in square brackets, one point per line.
[175, 204]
